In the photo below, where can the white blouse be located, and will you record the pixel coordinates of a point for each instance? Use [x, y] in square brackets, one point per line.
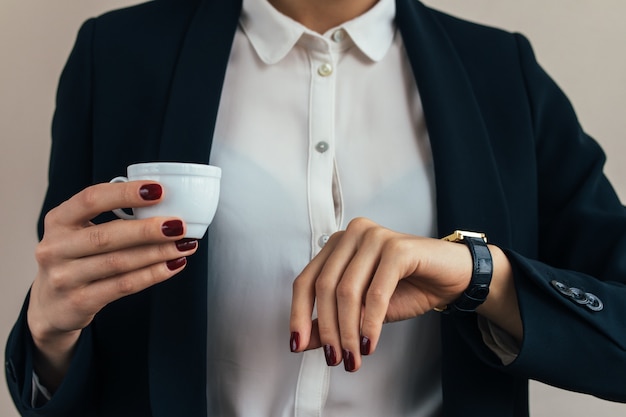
[313, 131]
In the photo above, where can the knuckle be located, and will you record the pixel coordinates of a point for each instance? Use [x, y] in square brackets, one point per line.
[57, 279]
[374, 234]
[89, 197]
[323, 286]
[158, 273]
[335, 236]
[359, 224]
[346, 293]
[164, 251]
[296, 285]
[396, 245]
[369, 324]
[375, 296]
[98, 237]
[128, 192]
[326, 331]
[114, 264]
[44, 253]
[51, 217]
[125, 285]
[149, 228]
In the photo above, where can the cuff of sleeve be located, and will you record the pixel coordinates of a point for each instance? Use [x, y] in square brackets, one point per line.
[500, 342]
[75, 395]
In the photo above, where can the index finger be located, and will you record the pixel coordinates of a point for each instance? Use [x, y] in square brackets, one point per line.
[100, 198]
[304, 295]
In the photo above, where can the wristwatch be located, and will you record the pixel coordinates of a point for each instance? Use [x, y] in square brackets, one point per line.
[478, 289]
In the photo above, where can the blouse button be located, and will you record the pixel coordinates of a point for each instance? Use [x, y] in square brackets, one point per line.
[325, 70]
[338, 35]
[321, 147]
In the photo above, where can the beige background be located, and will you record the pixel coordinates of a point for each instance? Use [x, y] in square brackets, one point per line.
[580, 42]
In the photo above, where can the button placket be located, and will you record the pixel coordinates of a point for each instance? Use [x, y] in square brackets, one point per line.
[314, 373]
[321, 144]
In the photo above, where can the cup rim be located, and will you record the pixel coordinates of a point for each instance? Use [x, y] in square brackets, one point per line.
[187, 168]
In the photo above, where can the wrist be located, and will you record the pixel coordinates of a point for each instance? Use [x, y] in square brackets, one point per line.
[501, 306]
[52, 357]
[53, 351]
[477, 289]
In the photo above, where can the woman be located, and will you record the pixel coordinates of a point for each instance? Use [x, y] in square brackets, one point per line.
[502, 154]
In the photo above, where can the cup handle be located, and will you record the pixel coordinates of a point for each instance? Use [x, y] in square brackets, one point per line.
[119, 212]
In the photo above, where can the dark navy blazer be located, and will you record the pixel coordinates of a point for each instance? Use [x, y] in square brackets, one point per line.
[510, 159]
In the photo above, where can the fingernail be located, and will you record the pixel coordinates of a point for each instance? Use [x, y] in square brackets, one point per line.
[175, 264]
[331, 356]
[366, 345]
[151, 192]
[348, 361]
[294, 341]
[186, 245]
[172, 228]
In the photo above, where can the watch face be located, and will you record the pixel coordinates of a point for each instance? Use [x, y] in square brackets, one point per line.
[459, 235]
[478, 235]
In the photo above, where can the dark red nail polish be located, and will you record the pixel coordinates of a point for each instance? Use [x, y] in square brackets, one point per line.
[366, 345]
[294, 341]
[186, 244]
[172, 228]
[175, 264]
[348, 361]
[330, 354]
[151, 192]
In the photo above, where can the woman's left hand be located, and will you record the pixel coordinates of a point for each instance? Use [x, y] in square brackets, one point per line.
[365, 276]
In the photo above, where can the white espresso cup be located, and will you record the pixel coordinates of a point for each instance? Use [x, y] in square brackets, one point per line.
[190, 192]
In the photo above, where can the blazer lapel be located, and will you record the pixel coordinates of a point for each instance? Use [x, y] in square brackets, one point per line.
[197, 85]
[469, 191]
[177, 350]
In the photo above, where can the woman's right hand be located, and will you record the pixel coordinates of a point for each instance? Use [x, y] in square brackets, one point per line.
[83, 266]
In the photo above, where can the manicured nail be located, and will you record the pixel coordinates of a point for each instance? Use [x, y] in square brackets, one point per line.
[348, 361]
[331, 356]
[186, 245]
[175, 264]
[172, 228]
[366, 345]
[151, 192]
[294, 341]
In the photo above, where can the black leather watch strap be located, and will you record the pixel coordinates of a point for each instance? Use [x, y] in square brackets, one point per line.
[478, 288]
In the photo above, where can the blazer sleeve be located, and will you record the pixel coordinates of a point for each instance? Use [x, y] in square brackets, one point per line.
[572, 298]
[69, 172]
[75, 396]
